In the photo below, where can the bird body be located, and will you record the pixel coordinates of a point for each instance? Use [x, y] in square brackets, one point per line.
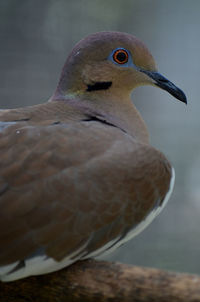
[78, 176]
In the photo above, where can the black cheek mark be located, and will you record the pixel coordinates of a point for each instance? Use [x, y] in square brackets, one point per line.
[56, 123]
[99, 86]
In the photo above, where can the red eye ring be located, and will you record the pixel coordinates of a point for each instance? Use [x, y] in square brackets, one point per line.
[120, 56]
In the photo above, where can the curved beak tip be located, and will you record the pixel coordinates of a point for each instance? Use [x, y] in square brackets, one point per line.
[163, 83]
[183, 97]
[173, 90]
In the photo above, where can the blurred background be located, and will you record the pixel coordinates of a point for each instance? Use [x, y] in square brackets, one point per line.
[35, 38]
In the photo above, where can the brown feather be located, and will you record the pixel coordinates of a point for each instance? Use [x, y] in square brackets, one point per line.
[77, 174]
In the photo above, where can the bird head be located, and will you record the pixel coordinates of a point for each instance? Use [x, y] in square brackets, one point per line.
[113, 62]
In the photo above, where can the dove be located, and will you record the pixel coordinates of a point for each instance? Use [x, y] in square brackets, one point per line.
[78, 175]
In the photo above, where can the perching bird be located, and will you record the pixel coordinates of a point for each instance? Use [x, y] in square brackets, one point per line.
[78, 176]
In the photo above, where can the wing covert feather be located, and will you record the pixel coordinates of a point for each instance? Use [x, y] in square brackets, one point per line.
[61, 181]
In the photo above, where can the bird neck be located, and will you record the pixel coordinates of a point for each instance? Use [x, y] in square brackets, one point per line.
[84, 87]
[113, 107]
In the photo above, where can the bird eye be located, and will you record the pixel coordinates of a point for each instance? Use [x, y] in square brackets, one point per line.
[120, 56]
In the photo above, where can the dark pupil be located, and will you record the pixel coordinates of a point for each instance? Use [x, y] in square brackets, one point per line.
[121, 57]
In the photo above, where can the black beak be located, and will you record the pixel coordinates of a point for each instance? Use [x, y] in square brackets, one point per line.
[165, 84]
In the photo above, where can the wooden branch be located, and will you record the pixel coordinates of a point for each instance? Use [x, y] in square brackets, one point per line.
[102, 281]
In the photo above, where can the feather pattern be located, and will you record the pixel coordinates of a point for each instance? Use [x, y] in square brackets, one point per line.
[78, 176]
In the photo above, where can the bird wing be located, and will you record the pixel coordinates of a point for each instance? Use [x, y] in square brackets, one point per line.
[67, 189]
